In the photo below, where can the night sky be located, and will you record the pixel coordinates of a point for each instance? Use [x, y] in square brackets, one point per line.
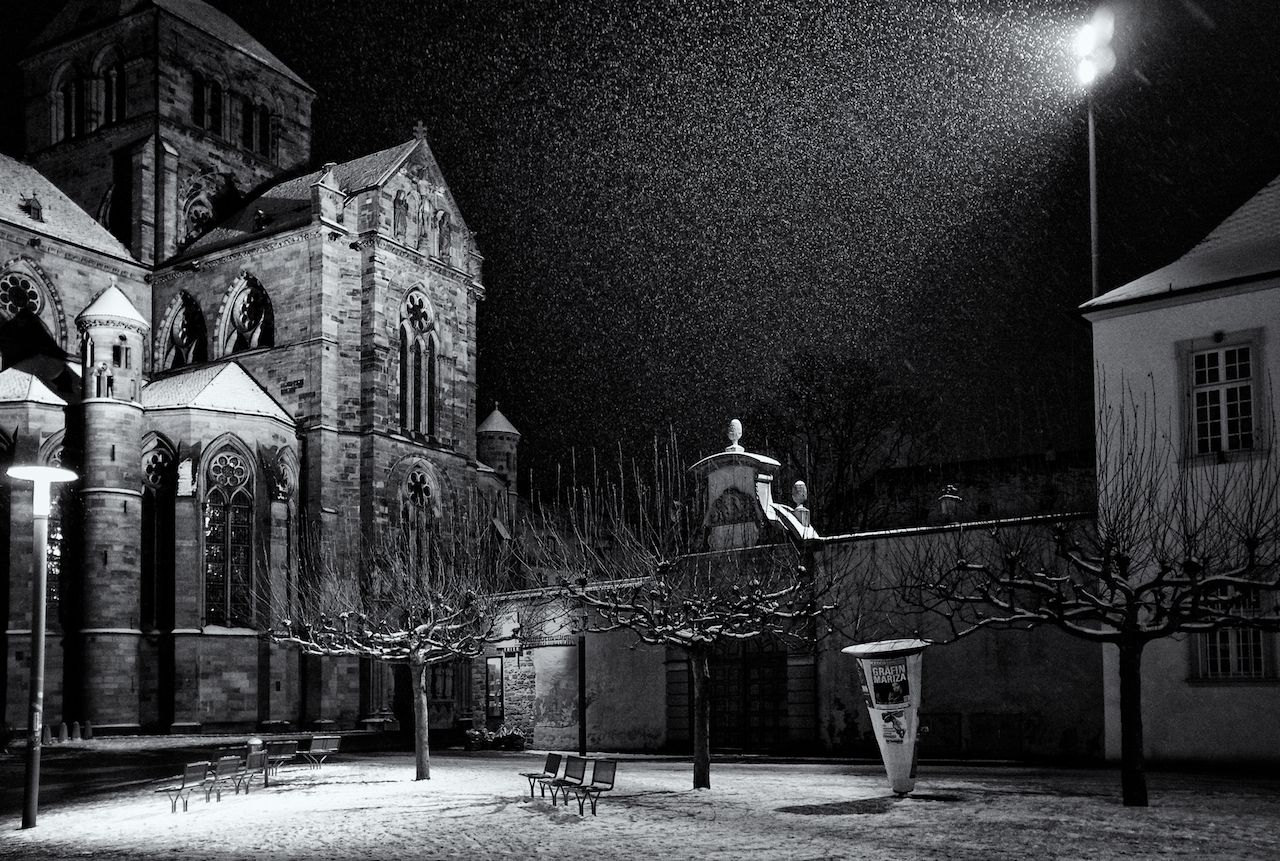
[695, 211]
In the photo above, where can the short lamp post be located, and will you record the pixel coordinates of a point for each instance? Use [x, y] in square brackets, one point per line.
[581, 618]
[42, 479]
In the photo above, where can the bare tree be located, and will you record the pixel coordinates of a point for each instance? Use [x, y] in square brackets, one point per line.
[403, 597]
[1180, 545]
[626, 547]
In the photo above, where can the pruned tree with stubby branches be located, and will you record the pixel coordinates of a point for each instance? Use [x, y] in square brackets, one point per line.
[403, 596]
[1179, 545]
[626, 547]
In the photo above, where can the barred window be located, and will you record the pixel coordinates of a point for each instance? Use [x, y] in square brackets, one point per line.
[1236, 653]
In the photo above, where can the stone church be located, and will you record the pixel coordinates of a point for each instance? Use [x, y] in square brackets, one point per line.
[224, 347]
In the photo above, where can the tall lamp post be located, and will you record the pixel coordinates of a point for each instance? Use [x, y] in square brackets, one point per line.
[42, 479]
[1093, 47]
[582, 616]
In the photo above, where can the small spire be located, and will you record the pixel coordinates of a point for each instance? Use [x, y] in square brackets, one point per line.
[735, 434]
[419, 130]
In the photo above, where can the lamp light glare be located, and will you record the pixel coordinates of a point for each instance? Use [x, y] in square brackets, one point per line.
[41, 478]
[1104, 24]
[1087, 71]
[1086, 40]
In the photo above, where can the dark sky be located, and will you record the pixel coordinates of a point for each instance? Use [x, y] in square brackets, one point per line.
[694, 211]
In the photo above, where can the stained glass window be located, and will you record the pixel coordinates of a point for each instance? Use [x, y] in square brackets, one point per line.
[228, 542]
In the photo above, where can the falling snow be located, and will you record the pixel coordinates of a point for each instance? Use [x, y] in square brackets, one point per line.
[703, 209]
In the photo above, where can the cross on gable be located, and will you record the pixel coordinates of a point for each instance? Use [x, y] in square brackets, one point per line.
[419, 130]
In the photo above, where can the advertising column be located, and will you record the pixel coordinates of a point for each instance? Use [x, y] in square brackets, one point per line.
[889, 671]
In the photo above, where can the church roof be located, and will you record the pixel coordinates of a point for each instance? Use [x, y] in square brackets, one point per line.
[222, 388]
[113, 303]
[61, 217]
[288, 204]
[81, 16]
[19, 386]
[1244, 246]
[497, 423]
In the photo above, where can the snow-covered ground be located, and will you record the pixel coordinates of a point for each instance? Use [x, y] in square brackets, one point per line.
[477, 807]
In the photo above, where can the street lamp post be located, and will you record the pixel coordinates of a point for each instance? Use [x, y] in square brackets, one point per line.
[42, 478]
[1093, 46]
[582, 618]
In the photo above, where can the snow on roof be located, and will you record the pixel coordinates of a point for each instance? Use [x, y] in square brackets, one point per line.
[21, 387]
[113, 303]
[752, 457]
[497, 423]
[81, 16]
[1245, 245]
[223, 388]
[288, 204]
[60, 217]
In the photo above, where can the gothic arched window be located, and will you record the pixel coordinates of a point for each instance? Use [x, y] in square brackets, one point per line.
[257, 126]
[228, 540]
[206, 103]
[417, 366]
[185, 343]
[111, 85]
[251, 321]
[417, 513]
[69, 106]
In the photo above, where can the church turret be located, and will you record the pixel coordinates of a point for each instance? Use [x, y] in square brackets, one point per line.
[111, 341]
[496, 444]
[110, 452]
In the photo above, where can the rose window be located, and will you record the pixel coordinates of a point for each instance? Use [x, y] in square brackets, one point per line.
[156, 466]
[419, 489]
[18, 293]
[228, 470]
[417, 313]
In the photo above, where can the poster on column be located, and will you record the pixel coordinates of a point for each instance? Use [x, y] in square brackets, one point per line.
[889, 673]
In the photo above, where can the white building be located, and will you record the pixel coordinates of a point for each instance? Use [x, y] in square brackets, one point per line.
[1197, 339]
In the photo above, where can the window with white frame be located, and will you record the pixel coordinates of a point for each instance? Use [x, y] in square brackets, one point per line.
[1232, 654]
[1223, 393]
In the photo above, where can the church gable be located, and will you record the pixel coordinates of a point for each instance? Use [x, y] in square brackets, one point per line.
[220, 388]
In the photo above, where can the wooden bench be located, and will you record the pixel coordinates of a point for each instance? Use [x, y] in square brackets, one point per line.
[194, 775]
[603, 773]
[550, 769]
[278, 753]
[321, 747]
[225, 772]
[575, 770]
[252, 767]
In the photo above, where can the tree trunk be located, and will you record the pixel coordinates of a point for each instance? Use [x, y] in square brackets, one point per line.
[1133, 777]
[700, 669]
[421, 721]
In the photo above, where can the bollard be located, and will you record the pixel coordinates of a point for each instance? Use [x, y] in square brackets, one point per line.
[75, 730]
[45, 735]
[62, 731]
[88, 731]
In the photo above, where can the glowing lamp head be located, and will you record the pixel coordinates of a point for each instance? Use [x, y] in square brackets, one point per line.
[1093, 47]
[41, 478]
